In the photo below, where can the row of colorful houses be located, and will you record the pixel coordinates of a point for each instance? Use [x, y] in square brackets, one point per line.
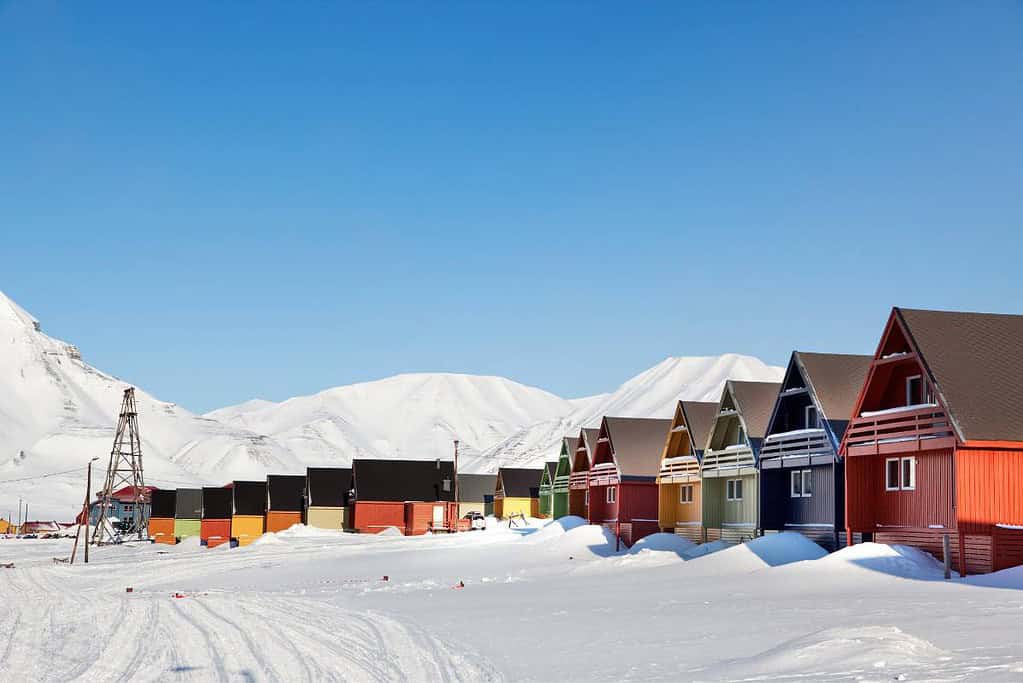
[413, 496]
[921, 440]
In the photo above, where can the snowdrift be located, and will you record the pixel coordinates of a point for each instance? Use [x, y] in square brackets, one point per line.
[662, 542]
[896, 560]
[767, 551]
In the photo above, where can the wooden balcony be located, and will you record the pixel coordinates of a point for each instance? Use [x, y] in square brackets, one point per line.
[728, 460]
[679, 470]
[915, 428]
[604, 474]
[561, 483]
[800, 446]
[579, 480]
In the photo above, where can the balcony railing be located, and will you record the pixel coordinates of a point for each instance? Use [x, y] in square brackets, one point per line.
[795, 444]
[733, 457]
[913, 428]
[604, 474]
[680, 469]
[579, 480]
[561, 483]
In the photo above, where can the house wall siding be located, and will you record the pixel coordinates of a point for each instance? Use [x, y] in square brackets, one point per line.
[161, 530]
[247, 528]
[326, 517]
[779, 508]
[373, 517]
[279, 521]
[671, 512]
[214, 532]
[870, 507]
[719, 512]
[988, 486]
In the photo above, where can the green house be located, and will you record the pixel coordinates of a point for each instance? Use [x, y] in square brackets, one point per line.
[547, 489]
[729, 472]
[559, 503]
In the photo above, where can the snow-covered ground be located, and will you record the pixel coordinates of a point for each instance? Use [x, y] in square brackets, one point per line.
[552, 602]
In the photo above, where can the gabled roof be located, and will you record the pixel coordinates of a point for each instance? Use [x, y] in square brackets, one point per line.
[403, 480]
[552, 468]
[754, 401]
[835, 380]
[699, 417]
[976, 364]
[569, 444]
[473, 487]
[590, 437]
[637, 444]
[520, 482]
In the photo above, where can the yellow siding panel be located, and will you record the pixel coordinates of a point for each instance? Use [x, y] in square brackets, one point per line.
[246, 528]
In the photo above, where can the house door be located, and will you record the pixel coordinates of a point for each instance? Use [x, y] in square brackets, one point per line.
[438, 516]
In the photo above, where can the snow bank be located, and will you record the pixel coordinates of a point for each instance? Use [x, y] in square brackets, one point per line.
[767, 551]
[882, 652]
[705, 549]
[897, 560]
[662, 542]
[584, 541]
[557, 528]
[1006, 578]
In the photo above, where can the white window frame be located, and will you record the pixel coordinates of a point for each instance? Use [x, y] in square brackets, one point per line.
[611, 495]
[909, 393]
[795, 484]
[735, 495]
[816, 416]
[888, 484]
[741, 434]
[807, 477]
[903, 482]
[685, 494]
[587, 497]
[911, 484]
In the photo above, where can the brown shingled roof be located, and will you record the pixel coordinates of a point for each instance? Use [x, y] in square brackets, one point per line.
[976, 361]
[590, 436]
[755, 401]
[699, 416]
[836, 380]
[637, 443]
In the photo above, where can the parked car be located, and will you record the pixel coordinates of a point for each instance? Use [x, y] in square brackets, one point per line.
[476, 520]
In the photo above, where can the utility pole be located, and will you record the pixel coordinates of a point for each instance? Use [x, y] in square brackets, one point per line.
[125, 469]
[84, 516]
[456, 487]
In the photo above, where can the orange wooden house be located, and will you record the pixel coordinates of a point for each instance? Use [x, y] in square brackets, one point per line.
[678, 482]
[935, 444]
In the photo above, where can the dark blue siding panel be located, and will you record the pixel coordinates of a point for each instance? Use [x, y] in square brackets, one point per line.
[779, 509]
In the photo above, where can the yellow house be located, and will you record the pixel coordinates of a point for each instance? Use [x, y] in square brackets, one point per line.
[517, 492]
[678, 481]
[5, 527]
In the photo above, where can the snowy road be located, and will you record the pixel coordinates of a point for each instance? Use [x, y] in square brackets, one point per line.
[547, 605]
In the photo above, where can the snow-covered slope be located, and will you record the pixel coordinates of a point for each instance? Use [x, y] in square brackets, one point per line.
[652, 393]
[414, 416]
[57, 412]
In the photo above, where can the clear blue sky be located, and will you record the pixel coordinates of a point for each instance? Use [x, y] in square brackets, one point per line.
[240, 200]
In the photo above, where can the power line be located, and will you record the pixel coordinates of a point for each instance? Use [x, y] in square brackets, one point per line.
[40, 476]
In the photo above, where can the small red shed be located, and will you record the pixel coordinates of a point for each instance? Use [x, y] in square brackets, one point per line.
[935, 443]
[623, 477]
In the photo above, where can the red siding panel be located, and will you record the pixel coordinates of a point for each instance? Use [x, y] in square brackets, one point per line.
[373, 517]
[214, 532]
[988, 482]
[870, 507]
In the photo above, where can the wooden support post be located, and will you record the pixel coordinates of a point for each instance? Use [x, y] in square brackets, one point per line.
[946, 555]
[962, 556]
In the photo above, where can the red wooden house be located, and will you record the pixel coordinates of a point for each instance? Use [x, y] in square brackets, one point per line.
[413, 496]
[623, 476]
[579, 477]
[935, 444]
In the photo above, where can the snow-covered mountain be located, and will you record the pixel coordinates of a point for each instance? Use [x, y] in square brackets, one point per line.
[413, 416]
[57, 412]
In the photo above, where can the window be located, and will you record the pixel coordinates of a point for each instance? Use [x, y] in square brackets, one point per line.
[811, 417]
[612, 494]
[740, 436]
[685, 494]
[914, 390]
[801, 483]
[586, 498]
[900, 474]
[446, 485]
[891, 474]
[733, 489]
[909, 473]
